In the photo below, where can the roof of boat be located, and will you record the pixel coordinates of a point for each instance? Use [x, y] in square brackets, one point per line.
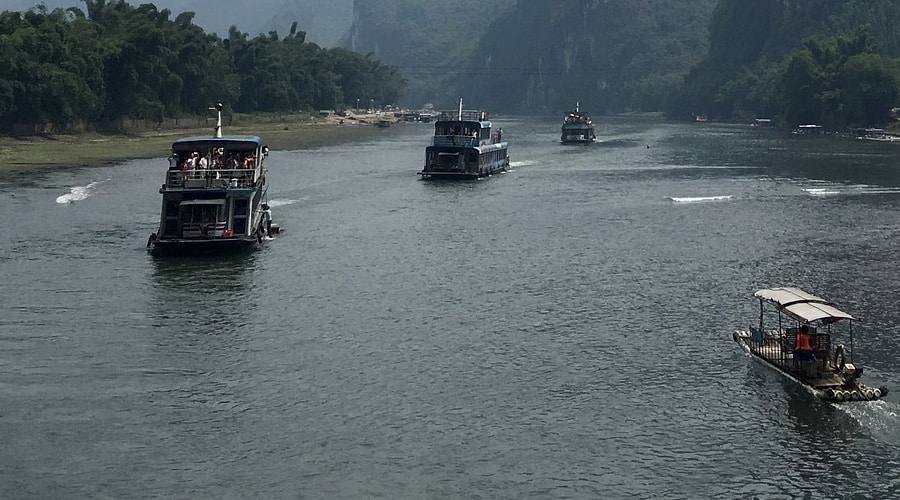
[254, 140]
[481, 123]
[801, 305]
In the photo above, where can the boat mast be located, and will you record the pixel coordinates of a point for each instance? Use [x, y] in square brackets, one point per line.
[218, 131]
[577, 107]
[460, 109]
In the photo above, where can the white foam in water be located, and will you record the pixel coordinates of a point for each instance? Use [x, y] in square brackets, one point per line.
[820, 192]
[700, 199]
[521, 163]
[282, 203]
[77, 193]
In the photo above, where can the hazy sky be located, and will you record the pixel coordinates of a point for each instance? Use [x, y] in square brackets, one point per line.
[250, 16]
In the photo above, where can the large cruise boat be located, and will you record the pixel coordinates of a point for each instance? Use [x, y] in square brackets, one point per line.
[464, 146]
[214, 196]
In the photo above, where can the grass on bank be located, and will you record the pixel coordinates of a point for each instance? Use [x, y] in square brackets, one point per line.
[294, 132]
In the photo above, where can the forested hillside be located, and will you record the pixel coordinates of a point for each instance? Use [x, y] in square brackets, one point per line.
[800, 61]
[68, 68]
[829, 62]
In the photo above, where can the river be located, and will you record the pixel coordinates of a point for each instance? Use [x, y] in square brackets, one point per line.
[562, 330]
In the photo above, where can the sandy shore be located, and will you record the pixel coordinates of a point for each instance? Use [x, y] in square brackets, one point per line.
[96, 149]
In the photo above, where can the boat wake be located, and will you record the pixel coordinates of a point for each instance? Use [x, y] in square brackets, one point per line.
[282, 203]
[849, 190]
[821, 192]
[523, 163]
[78, 193]
[881, 418]
[700, 199]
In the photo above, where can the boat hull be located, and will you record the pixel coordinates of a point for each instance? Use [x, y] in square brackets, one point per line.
[464, 146]
[577, 135]
[834, 388]
[201, 247]
[464, 163]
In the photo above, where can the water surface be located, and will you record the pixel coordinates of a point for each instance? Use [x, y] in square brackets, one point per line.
[559, 331]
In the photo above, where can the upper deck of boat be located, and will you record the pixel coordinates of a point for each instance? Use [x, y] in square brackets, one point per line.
[216, 163]
[466, 128]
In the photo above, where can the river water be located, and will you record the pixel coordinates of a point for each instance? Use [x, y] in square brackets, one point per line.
[559, 331]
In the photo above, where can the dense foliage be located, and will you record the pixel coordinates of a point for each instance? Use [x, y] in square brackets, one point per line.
[116, 61]
[781, 59]
[799, 61]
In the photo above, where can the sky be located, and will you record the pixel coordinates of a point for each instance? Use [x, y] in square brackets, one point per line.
[250, 16]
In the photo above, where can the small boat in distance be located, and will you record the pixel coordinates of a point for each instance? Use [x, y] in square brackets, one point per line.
[800, 346]
[213, 197]
[463, 146]
[577, 127]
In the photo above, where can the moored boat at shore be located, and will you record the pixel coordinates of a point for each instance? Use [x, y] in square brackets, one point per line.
[213, 197]
[801, 346]
[464, 146]
[577, 127]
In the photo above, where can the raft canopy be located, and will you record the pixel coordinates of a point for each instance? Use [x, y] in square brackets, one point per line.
[801, 305]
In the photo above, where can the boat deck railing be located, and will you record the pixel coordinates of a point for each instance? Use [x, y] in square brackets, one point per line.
[212, 178]
[464, 140]
[467, 115]
[456, 140]
[777, 346]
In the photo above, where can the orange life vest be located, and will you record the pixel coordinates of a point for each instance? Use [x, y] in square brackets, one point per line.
[803, 342]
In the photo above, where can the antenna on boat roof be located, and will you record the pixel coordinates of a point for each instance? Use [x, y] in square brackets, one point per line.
[218, 131]
[460, 109]
[577, 106]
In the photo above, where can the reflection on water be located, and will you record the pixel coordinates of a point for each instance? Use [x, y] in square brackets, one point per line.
[203, 294]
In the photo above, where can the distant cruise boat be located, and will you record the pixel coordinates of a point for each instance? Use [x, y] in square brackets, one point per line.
[463, 146]
[577, 127]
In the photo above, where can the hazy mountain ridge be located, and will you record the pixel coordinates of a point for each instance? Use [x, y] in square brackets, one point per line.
[610, 56]
[529, 55]
[427, 40]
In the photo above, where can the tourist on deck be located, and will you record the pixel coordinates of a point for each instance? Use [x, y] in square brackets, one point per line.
[217, 158]
[232, 162]
[803, 350]
[173, 161]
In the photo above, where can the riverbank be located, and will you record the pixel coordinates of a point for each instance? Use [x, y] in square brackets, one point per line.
[95, 149]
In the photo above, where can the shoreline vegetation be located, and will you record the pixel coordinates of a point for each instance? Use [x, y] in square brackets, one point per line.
[91, 149]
